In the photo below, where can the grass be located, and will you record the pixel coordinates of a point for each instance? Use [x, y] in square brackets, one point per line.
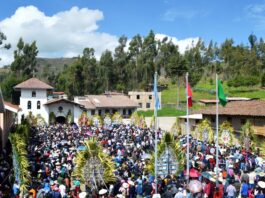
[205, 90]
[165, 112]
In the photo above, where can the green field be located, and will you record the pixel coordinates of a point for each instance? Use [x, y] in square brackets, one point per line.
[203, 90]
[170, 112]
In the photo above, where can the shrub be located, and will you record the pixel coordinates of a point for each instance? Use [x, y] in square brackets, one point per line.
[243, 81]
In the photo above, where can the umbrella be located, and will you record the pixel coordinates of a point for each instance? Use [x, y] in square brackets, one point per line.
[146, 156]
[89, 133]
[193, 173]
[258, 170]
[206, 175]
[81, 148]
[63, 142]
[209, 157]
[195, 186]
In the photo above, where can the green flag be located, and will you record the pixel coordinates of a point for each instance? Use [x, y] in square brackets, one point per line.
[221, 94]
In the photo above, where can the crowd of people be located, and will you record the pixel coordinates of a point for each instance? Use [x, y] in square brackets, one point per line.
[5, 172]
[52, 151]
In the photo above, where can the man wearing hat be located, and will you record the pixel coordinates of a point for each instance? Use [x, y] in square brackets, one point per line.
[179, 194]
[103, 193]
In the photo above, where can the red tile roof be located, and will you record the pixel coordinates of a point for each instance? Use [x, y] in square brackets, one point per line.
[243, 108]
[8, 104]
[107, 101]
[53, 101]
[33, 83]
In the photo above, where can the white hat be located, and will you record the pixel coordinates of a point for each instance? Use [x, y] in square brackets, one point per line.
[119, 195]
[231, 166]
[102, 191]
[212, 179]
[180, 189]
[261, 184]
[82, 195]
[209, 157]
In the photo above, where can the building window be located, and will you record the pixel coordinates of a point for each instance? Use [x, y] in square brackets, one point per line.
[130, 111]
[148, 105]
[29, 104]
[138, 97]
[33, 94]
[93, 112]
[99, 112]
[114, 111]
[124, 111]
[150, 97]
[60, 108]
[38, 104]
[229, 119]
[140, 105]
[106, 111]
[243, 121]
[212, 120]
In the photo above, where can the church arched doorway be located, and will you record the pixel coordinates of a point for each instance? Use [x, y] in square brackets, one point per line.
[60, 119]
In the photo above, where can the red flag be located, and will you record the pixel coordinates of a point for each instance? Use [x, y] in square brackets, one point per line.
[189, 96]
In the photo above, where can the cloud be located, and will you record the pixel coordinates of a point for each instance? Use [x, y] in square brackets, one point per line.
[183, 44]
[63, 34]
[256, 14]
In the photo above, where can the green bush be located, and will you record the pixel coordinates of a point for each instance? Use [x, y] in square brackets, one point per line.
[263, 80]
[243, 81]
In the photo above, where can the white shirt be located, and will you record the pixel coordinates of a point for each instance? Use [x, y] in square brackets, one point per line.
[62, 190]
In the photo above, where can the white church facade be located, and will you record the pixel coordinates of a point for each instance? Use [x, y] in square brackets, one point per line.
[35, 98]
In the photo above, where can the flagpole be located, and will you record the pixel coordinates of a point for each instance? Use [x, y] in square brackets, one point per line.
[217, 135]
[155, 123]
[187, 129]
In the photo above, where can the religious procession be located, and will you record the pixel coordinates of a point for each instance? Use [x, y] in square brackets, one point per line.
[107, 158]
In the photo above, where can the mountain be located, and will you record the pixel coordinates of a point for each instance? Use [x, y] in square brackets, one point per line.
[53, 65]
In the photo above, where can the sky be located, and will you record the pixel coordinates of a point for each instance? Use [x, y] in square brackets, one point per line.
[63, 28]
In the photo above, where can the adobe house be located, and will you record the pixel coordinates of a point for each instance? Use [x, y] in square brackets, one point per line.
[237, 113]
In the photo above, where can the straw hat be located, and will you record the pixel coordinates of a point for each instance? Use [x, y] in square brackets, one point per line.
[212, 179]
[102, 191]
[261, 184]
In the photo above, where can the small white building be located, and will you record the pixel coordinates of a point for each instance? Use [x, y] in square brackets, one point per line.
[107, 104]
[37, 98]
[145, 100]
[34, 94]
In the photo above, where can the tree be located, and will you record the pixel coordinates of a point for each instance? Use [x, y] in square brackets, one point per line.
[2, 44]
[106, 70]
[25, 59]
[120, 62]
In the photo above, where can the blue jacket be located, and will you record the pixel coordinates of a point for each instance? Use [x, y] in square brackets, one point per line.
[139, 189]
[244, 190]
